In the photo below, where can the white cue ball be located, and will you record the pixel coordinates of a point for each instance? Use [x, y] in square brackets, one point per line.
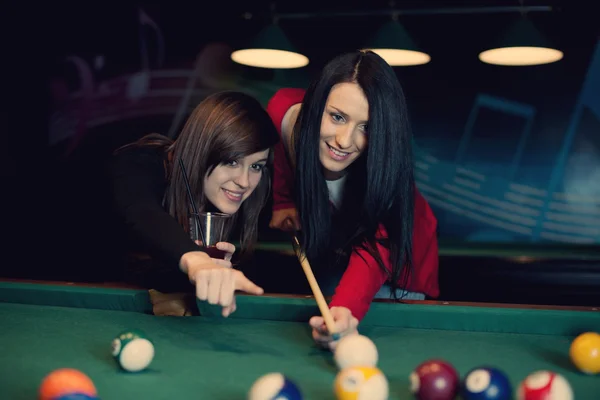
[356, 351]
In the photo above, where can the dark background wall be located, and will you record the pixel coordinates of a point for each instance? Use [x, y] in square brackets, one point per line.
[505, 155]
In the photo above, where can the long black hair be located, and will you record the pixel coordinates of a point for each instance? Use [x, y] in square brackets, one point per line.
[380, 183]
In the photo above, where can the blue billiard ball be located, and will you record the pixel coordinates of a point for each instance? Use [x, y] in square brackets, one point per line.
[75, 396]
[486, 383]
[274, 386]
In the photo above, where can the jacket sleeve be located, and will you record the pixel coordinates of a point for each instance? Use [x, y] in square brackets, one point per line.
[138, 183]
[363, 277]
[283, 174]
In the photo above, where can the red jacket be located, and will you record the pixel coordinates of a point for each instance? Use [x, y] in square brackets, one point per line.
[363, 277]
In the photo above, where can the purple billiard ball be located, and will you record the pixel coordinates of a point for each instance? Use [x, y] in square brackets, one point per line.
[486, 383]
[435, 379]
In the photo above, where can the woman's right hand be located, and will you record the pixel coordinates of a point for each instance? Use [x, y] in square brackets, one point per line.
[216, 283]
[285, 219]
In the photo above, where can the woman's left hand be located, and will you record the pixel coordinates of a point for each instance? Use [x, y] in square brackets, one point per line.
[345, 324]
[227, 247]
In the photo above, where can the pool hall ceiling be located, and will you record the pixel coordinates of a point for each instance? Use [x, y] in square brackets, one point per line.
[319, 29]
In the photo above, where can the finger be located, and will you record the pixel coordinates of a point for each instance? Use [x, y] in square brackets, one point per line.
[226, 311]
[214, 287]
[227, 289]
[226, 247]
[201, 285]
[333, 345]
[289, 224]
[279, 222]
[353, 324]
[246, 285]
[342, 324]
[320, 340]
[198, 242]
[230, 309]
[318, 323]
[296, 224]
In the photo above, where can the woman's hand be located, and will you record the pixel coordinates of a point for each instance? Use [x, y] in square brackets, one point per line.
[215, 280]
[228, 248]
[285, 219]
[345, 324]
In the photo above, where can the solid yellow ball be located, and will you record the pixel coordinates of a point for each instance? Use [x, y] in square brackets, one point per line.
[585, 352]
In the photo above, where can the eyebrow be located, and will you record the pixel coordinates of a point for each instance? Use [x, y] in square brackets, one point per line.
[261, 160]
[343, 113]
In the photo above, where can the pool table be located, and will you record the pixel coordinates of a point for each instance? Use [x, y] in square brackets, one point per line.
[50, 325]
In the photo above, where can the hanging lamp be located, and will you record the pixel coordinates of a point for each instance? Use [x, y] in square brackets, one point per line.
[521, 45]
[393, 43]
[270, 49]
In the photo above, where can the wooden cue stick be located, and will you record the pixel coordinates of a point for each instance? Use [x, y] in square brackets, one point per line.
[315, 289]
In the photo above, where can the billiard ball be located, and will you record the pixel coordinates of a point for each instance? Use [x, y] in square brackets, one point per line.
[274, 386]
[544, 385]
[486, 383]
[355, 351]
[65, 382]
[585, 352]
[361, 383]
[132, 350]
[434, 379]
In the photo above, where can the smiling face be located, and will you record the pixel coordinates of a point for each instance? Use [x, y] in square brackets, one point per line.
[343, 128]
[229, 184]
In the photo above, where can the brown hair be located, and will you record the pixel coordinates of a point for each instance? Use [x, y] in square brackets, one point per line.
[224, 127]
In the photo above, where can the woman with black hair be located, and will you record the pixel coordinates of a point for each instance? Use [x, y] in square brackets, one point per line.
[343, 178]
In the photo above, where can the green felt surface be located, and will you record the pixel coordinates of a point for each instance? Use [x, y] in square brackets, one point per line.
[214, 358]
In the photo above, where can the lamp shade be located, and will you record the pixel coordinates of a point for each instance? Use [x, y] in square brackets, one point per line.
[270, 49]
[521, 45]
[393, 43]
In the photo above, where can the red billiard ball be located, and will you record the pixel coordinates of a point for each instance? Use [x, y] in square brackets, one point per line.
[544, 385]
[434, 380]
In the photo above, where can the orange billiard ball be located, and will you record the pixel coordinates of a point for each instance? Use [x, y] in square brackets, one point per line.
[65, 382]
[585, 352]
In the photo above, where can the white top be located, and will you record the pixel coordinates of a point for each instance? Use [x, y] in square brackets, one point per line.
[335, 190]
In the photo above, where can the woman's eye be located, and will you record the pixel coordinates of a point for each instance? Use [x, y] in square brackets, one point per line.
[337, 117]
[257, 167]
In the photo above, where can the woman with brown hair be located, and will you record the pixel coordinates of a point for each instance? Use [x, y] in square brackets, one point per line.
[225, 149]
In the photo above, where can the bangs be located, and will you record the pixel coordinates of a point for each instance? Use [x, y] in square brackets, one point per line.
[243, 147]
[243, 139]
[227, 126]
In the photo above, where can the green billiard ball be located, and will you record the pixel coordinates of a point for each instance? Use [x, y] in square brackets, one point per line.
[132, 350]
